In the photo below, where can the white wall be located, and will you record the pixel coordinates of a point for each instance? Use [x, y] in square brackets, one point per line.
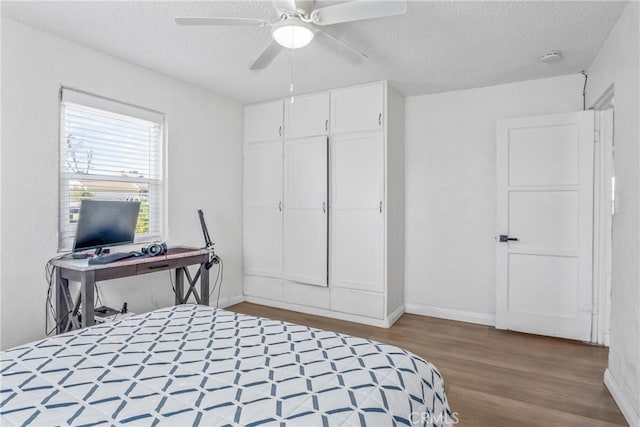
[617, 64]
[451, 191]
[204, 170]
[1, 190]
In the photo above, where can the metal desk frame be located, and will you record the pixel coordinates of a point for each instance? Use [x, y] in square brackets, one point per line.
[79, 313]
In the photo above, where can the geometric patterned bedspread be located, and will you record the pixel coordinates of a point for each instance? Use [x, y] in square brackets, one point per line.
[197, 365]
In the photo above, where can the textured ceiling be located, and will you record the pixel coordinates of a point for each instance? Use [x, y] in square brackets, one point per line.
[435, 47]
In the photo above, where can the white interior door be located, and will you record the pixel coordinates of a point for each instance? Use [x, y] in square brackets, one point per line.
[305, 210]
[263, 209]
[357, 211]
[545, 201]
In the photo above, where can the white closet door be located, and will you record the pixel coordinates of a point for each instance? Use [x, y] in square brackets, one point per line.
[263, 209]
[357, 249]
[305, 210]
[357, 109]
[263, 122]
[307, 116]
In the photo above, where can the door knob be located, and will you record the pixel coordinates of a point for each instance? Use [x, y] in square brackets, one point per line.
[506, 238]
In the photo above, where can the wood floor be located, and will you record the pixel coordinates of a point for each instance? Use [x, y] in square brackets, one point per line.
[492, 377]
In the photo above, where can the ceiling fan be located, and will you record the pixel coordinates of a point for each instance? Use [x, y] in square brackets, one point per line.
[300, 23]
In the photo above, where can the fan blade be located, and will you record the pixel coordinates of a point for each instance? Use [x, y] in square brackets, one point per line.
[357, 10]
[335, 44]
[271, 51]
[285, 6]
[242, 22]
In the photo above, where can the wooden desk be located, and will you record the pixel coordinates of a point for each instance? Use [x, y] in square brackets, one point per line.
[79, 313]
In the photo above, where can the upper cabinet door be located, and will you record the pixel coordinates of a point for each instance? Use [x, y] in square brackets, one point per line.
[307, 116]
[357, 109]
[263, 122]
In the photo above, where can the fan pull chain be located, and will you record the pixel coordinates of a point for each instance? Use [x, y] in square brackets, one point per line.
[292, 74]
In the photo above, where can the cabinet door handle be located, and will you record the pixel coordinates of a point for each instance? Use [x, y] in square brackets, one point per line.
[380, 119]
[380, 207]
[280, 130]
[280, 205]
[324, 207]
[326, 125]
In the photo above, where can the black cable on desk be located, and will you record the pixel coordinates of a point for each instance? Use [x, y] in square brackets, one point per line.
[218, 281]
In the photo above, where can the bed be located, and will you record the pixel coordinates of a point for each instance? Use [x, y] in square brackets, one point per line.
[197, 365]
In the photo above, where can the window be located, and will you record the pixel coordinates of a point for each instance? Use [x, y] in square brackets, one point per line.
[109, 151]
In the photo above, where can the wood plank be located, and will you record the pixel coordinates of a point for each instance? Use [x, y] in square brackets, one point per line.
[493, 377]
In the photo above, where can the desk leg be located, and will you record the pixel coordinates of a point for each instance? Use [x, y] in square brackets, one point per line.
[62, 308]
[179, 286]
[87, 284]
[204, 285]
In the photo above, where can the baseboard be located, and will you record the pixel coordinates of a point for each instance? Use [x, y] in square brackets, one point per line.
[623, 402]
[423, 310]
[227, 302]
[449, 314]
[395, 315]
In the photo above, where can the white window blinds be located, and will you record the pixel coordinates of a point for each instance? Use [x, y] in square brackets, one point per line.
[110, 151]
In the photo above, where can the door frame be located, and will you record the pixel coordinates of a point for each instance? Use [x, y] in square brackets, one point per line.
[602, 218]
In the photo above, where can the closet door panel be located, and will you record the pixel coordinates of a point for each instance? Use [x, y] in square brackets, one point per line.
[308, 115]
[263, 122]
[356, 302]
[358, 166]
[305, 173]
[263, 242]
[359, 108]
[357, 243]
[358, 252]
[311, 296]
[262, 237]
[305, 259]
[263, 287]
[305, 210]
[263, 174]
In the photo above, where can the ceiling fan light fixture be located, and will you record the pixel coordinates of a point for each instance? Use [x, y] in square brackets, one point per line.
[292, 33]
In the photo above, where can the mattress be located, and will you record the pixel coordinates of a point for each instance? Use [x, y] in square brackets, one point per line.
[197, 365]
